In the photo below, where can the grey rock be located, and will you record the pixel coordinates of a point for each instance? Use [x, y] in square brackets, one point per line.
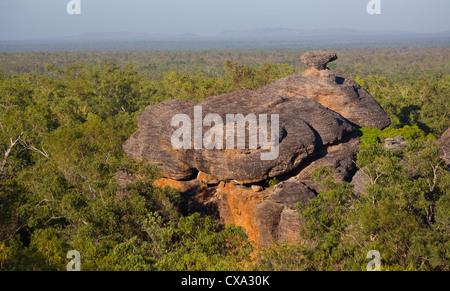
[315, 113]
[444, 143]
[338, 157]
[360, 181]
[289, 227]
[290, 192]
[318, 59]
[334, 92]
[267, 217]
[318, 113]
[305, 127]
[395, 143]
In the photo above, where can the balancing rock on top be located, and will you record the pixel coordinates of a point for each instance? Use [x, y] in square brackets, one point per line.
[318, 59]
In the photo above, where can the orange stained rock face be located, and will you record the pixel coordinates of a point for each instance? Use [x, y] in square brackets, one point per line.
[165, 182]
[240, 204]
[312, 71]
[207, 179]
[235, 204]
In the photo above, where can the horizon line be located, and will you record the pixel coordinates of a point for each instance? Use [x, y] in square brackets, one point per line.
[219, 35]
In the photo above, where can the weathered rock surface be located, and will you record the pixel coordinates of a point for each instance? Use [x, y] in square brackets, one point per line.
[338, 157]
[290, 192]
[444, 143]
[395, 143]
[318, 59]
[315, 112]
[360, 181]
[267, 216]
[334, 92]
[318, 113]
[207, 179]
[305, 127]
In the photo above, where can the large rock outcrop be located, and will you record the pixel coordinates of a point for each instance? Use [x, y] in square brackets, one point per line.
[318, 112]
[305, 127]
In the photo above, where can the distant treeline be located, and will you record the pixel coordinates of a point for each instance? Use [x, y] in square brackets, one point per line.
[234, 43]
[412, 84]
[390, 61]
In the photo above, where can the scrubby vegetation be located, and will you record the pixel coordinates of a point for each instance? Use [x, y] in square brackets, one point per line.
[65, 116]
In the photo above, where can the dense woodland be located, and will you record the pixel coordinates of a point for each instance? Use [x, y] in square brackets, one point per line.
[65, 115]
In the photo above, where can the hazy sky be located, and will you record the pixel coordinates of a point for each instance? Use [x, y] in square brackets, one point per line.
[36, 19]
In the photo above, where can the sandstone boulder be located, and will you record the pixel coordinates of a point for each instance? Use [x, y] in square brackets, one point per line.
[395, 143]
[316, 109]
[305, 127]
[207, 179]
[318, 59]
[290, 192]
[335, 92]
[257, 188]
[318, 114]
[360, 181]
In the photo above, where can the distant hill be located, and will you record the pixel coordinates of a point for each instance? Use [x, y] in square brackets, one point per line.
[258, 38]
[257, 33]
[124, 36]
[290, 32]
